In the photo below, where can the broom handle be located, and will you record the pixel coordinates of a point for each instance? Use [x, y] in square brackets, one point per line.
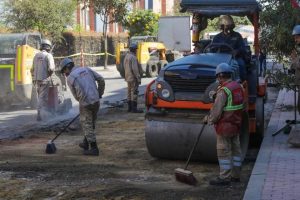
[193, 149]
[65, 128]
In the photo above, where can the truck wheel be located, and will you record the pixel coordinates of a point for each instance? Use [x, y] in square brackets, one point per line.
[152, 70]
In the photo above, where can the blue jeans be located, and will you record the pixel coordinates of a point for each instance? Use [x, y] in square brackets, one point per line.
[262, 66]
[242, 69]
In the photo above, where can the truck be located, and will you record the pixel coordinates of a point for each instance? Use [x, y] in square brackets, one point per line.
[181, 95]
[176, 38]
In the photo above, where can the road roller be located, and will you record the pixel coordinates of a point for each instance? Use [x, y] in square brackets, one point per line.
[182, 94]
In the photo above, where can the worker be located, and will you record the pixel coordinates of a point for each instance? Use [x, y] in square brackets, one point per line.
[233, 39]
[133, 78]
[226, 115]
[42, 69]
[295, 67]
[262, 62]
[82, 84]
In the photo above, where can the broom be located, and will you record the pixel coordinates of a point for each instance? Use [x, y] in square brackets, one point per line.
[51, 148]
[184, 175]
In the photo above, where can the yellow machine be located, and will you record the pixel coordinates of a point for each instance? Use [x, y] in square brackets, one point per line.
[151, 55]
[16, 56]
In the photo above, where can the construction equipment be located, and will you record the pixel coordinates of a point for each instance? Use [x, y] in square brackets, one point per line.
[16, 56]
[51, 148]
[17, 51]
[182, 93]
[184, 175]
[151, 55]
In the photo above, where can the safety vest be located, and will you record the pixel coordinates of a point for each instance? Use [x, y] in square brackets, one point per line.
[231, 119]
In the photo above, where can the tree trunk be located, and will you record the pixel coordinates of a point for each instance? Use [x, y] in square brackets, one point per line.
[105, 43]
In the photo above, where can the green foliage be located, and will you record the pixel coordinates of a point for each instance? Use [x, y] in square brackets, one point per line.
[110, 11]
[142, 22]
[277, 20]
[177, 8]
[281, 79]
[213, 24]
[114, 10]
[49, 17]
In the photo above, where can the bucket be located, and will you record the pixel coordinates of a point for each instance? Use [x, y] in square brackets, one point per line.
[53, 98]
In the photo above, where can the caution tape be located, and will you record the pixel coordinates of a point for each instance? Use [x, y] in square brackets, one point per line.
[84, 54]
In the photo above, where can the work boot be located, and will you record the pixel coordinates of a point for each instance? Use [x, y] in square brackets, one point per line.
[129, 103]
[84, 144]
[93, 151]
[219, 182]
[39, 118]
[134, 107]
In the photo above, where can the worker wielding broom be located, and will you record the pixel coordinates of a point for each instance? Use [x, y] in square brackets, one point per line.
[82, 83]
[226, 115]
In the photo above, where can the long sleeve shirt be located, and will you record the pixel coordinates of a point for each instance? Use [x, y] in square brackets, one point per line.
[234, 39]
[82, 83]
[132, 69]
[43, 66]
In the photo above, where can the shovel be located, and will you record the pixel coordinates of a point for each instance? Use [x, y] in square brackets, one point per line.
[51, 148]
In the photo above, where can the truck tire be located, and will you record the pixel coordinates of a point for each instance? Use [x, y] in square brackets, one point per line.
[152, 70]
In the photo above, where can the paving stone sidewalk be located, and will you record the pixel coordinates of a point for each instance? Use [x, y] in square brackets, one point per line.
[276, 173]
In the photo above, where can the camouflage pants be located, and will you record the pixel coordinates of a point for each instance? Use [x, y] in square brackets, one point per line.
[229, 156]
[42, 91]
[88, 117]
[132, 91]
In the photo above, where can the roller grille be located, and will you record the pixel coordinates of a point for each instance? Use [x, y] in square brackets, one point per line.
[180, 84]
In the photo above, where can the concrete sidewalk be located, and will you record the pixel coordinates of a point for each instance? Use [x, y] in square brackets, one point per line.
[276, 173]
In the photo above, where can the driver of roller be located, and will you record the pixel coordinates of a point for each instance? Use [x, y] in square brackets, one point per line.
[233, 39]
[226, 115]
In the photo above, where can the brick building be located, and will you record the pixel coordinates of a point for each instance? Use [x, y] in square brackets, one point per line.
[90, 21]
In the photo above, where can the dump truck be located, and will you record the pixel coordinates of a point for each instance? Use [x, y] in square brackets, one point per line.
[151, 55]
[178, 99]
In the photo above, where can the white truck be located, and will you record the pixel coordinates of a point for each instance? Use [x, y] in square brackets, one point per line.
[175, 32]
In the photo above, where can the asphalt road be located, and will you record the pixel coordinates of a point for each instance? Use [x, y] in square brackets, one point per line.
[14, 123]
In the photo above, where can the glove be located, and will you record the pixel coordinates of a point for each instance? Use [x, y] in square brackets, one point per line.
[205, 119]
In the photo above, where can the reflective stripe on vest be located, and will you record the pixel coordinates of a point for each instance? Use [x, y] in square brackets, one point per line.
[229, 106]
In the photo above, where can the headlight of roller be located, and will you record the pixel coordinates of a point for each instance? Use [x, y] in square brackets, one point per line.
[165, 93]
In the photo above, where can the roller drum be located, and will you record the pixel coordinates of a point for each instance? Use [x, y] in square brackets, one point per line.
[174, 140]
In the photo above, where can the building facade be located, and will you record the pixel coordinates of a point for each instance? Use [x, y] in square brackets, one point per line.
[89, 21]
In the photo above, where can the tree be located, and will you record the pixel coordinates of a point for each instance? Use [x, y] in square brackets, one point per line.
[277, 20]
[110, 11]
[49, 17]
[141, 22]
